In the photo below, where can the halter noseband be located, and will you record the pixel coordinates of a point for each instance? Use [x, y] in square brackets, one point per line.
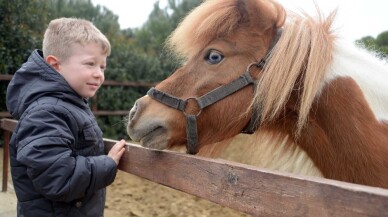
[211, 98]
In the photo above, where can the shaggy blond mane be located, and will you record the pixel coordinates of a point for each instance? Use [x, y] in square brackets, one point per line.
[298, 62]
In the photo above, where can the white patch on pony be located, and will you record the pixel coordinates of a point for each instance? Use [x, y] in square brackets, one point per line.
[370, 73]
[270, 151]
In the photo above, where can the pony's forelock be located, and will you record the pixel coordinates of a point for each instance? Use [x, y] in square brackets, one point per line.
[210, 20]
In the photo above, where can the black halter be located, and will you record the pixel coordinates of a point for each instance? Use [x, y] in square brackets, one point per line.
[211, 98]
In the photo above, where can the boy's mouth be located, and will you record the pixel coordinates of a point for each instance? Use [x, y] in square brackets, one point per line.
[93, 84]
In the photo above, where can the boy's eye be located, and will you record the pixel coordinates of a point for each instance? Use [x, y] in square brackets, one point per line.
[90, 63]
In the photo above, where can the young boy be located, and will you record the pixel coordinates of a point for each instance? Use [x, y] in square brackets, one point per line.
[57, 155]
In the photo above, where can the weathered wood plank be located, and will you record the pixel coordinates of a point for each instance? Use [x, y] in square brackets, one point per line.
[8, 124]
[110, 113]
[253, 191]
[5, 115]
[5, 77]
[8, 77]
[128, 83]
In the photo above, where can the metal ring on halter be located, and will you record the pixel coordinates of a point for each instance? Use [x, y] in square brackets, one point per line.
[259, 64]
[195, 99]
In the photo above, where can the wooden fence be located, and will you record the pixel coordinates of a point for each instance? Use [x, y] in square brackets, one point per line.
[241, 187]
[96, 111]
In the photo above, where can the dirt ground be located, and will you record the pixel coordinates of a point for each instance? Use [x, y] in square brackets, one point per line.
[131, 196]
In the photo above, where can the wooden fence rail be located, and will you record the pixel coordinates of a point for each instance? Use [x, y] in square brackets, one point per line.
[249, 189]
[95, 110]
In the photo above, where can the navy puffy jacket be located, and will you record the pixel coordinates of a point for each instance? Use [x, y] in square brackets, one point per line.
[57, 156]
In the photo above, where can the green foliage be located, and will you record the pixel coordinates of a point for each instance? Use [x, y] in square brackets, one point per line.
[382, 42]
[180, 9]
[113, 127]
[102, 17]
[378, 44]
[3, 92]
[368, 42]
[126, 64]
[382, 39]
[20, 27]
[116, 98]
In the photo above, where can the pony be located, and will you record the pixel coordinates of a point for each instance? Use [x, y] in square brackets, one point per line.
[309, 102]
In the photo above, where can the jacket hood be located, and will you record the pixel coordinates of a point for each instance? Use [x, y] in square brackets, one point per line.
[36, 79]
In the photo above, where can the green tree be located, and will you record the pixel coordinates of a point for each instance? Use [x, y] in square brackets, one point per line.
[151, 36]
[378, 44]
[20, 31]
[180, 9]
[21, 23]
[102, 17]
[382, 42]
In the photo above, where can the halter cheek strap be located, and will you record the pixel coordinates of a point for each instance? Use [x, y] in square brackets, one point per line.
[203, 102]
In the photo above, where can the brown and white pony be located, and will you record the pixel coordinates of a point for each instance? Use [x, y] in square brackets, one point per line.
[319, 106]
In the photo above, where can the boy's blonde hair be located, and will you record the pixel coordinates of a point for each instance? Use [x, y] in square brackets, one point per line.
[61, 33]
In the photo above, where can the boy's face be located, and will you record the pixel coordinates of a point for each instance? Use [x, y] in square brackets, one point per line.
[84, 68]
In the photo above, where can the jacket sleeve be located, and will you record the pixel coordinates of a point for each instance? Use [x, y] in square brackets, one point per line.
[45, 141]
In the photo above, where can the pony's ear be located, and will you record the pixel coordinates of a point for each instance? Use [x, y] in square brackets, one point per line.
[269, 13]
[280, 14]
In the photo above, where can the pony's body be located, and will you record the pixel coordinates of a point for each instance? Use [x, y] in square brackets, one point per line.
[322, 104]
[265, 150]
[367, 71]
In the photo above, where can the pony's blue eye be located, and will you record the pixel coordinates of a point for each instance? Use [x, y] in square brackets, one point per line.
[214, 57]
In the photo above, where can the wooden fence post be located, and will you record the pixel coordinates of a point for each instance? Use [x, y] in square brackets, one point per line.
[5, 160]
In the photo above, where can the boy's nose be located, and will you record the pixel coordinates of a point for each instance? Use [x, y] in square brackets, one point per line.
[99, 72]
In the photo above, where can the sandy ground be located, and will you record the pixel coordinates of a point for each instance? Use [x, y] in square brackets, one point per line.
[7, 199]
[131, 196]
[7, 204]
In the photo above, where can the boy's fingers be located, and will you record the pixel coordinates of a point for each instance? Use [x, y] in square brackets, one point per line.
[119, 144]
[121, 152]
[118, 148]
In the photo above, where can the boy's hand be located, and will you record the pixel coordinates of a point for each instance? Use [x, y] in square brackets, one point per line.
[117, 151]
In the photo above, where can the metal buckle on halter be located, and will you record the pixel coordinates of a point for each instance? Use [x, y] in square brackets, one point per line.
[259, 65]
[252, 125]
[187, 101]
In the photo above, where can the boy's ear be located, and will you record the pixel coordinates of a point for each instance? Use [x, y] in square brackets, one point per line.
[53, 61]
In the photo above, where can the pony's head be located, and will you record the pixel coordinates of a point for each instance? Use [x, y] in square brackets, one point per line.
[213, 95]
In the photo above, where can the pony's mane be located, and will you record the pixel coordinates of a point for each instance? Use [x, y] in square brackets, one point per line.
[298, 62]
[210, 20]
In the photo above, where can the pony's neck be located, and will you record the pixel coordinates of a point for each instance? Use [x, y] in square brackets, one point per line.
[344, 138]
